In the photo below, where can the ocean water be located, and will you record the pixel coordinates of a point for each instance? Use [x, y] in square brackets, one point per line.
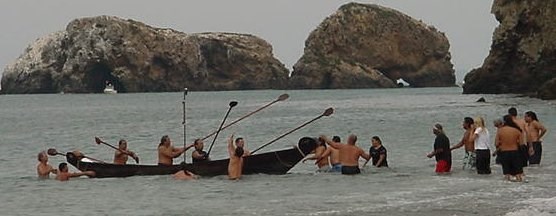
[401, 117]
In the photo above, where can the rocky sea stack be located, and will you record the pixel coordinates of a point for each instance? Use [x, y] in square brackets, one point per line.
[522, 57]
[369, 46]
[139, 58]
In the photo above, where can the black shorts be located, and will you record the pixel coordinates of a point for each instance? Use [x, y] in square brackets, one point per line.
[511, 162]
[350, 170]
[536, 157]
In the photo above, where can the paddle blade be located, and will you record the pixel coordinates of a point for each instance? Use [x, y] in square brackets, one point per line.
[328, 112]
[233, 103]
[52, 152]
[98, 141]
[283, 97]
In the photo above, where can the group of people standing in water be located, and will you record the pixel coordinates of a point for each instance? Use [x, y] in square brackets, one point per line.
[517, 144]
[344, 158]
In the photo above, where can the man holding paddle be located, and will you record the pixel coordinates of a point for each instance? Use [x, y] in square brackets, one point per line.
[167, 152]
[349, 154]
[122, 153]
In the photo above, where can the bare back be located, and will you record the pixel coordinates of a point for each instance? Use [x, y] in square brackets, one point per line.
[523, 126]
[349, 155]
[508, 138]
[334, 156]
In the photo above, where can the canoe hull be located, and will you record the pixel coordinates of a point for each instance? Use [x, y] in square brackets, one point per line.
[275, 163]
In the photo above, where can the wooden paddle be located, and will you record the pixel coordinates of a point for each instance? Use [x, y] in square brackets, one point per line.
[183, 123]
[99, 141]
[327, 112]
[232, 105]
[53, 152]
[280, 98]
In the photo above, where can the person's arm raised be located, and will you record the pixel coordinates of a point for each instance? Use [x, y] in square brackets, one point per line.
[231, 145]
[330, 142]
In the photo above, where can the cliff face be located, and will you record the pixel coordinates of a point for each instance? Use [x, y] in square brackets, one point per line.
[369, 46]
[522, 57]
[138, 58]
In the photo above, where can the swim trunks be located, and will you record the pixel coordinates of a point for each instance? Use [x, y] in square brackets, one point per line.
[469, 160]
[443, 166]
[523, 154]
[511, 162]
[536, 157]
[336, 168]
[350, 170]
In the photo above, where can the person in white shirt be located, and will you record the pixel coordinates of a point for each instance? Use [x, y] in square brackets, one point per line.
[481, 139]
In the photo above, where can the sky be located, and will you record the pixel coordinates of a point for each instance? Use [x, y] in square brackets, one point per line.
[285, 24]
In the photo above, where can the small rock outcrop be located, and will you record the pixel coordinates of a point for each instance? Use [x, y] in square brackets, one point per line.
[136, 57]
[369, 46]
[522, 57]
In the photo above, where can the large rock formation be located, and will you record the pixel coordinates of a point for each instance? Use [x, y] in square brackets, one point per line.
[522, 57]
[137, 58]
[369, 46]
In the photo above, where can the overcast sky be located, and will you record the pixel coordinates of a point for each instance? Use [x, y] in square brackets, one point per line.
[284, 23]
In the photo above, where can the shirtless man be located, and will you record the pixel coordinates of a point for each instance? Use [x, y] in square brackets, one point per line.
[349, 154]
[121, 155]
[240, 142]
[524, 150]
[334, 156]
[469, 158]
[535, 131]
[235, 166]
[167, 152]
[43, 168]
[64, 175]
[199, 155]
[321, 160]
[508, 139]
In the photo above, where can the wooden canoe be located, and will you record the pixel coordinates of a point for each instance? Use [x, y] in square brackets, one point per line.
[275, 163]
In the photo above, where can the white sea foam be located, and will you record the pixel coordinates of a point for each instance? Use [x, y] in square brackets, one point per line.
[537, 207]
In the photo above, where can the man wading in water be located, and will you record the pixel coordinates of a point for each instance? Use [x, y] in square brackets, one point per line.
[349, 154]
[441, 150]
[470, 158]
[535, 131]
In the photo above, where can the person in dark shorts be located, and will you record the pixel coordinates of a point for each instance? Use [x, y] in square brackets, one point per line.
[523, 149]
[349, 154]
[441, 151]
[508, 139]
[378, 152]
[535, 131]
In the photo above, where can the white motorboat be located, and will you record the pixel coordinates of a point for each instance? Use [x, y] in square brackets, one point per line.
[109, 89]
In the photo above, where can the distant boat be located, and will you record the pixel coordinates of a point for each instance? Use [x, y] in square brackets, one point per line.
[109, 89]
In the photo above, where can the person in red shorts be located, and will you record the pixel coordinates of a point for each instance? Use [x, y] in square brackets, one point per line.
[441, 150]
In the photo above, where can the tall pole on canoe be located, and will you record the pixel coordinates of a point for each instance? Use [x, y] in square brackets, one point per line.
[184, 125]
[232, 105]
[326, 112]
[280, 98]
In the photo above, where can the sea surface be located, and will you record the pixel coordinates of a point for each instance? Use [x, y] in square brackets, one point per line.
[401, 117]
